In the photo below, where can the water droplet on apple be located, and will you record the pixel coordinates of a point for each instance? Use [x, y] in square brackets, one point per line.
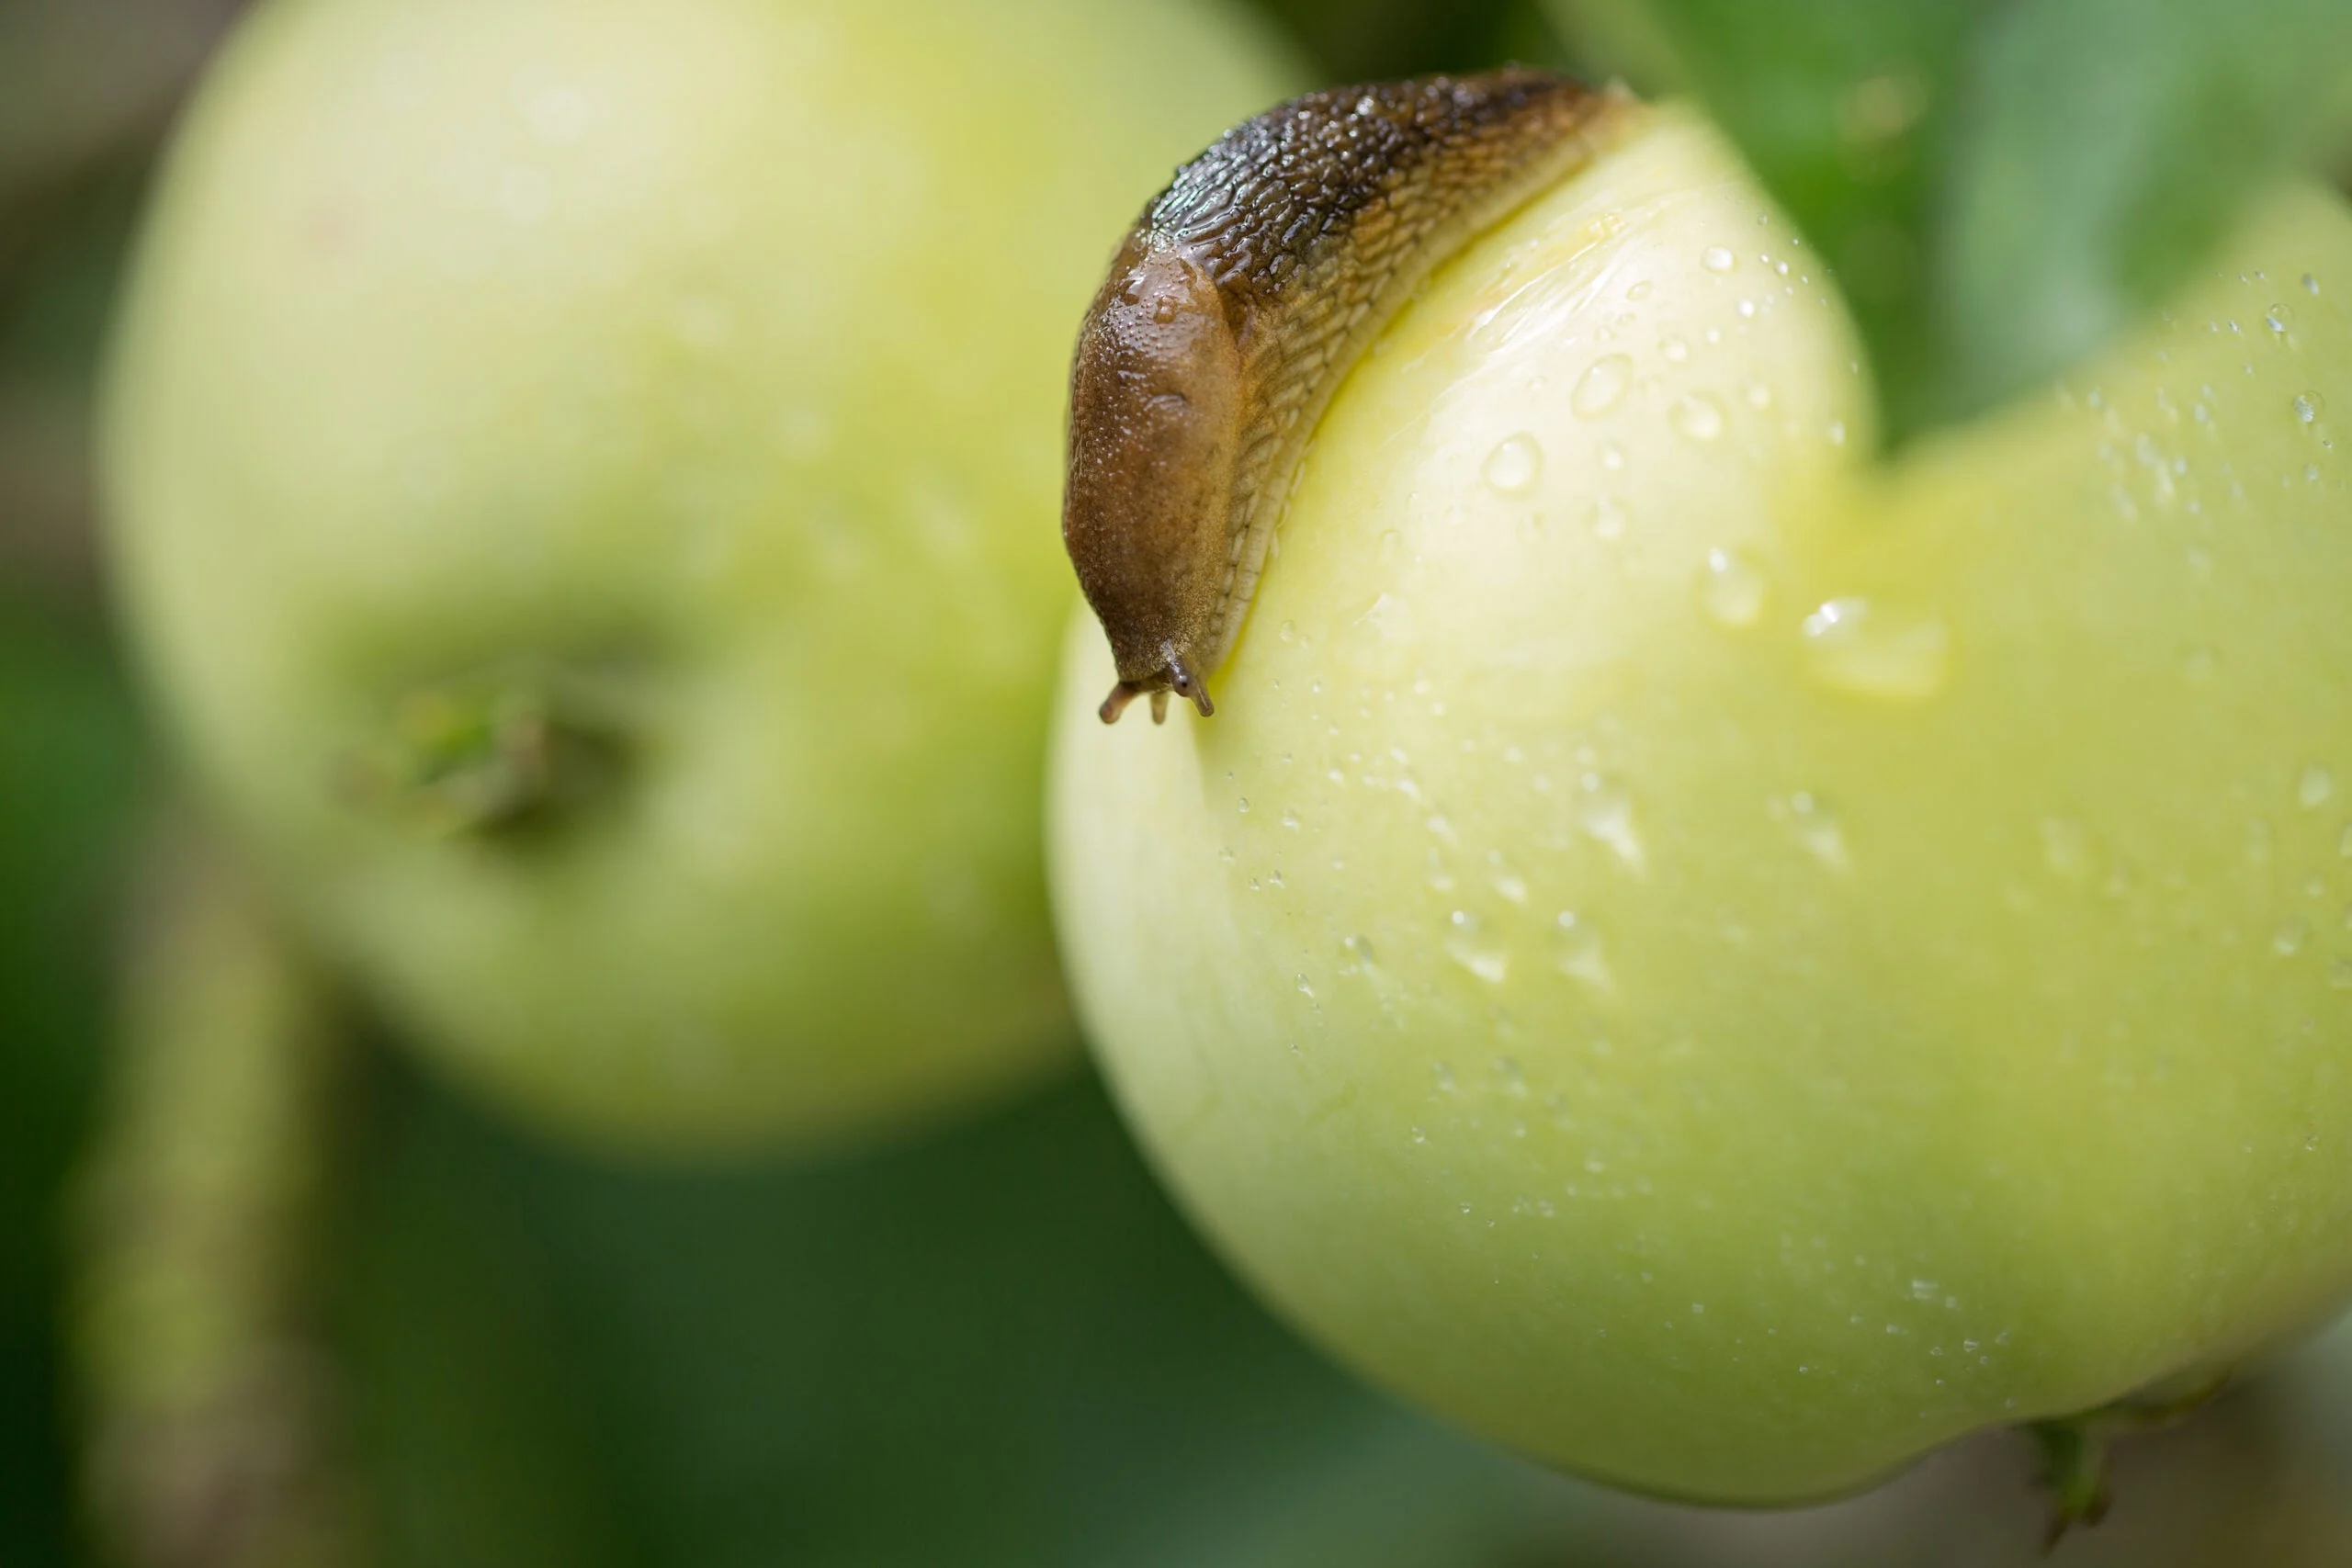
[1512, 467]
[2315, 787]
[1676, 348]
[1718, 259]
[1698, 416]
[1603, 386]
[2065, 847]
[1854, 646]
[1474, 951]
[2308, 406]
[1606, 814]
[1576, 952]
[2288, 939]
[1387, 618]
[1731, 589]
[1816, 827]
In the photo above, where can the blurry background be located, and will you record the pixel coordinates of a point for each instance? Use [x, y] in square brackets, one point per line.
[1002, 1346]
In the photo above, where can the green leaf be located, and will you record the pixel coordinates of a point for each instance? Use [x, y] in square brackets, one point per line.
[1359, 40]
[2001, 185]
[2110, 145]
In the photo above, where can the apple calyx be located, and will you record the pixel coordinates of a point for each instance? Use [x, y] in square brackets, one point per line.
[503, 751]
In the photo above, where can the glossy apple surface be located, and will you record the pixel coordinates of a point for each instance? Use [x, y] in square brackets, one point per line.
[1724, 965]
[683, 380]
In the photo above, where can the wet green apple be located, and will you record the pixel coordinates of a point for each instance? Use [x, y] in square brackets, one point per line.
[586, 475]
[1725, 964]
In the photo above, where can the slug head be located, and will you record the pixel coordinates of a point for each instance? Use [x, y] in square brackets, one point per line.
[1156, 400]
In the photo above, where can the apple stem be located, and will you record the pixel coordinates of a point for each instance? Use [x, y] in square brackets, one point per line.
[498, 752]
[211, 1398]
[2074, 1447]
[2074, 1458]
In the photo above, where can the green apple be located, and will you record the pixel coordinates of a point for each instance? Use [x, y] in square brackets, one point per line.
[585, 476]
[1723, 964]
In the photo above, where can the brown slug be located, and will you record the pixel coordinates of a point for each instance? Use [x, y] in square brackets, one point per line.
[1237, 306]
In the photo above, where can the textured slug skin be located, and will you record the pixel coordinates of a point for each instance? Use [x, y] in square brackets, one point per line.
[1234, 309]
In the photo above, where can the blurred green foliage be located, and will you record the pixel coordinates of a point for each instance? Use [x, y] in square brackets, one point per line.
[70, 768]
[1998, 186]
[73, 757]
[998, 1346]
[1366, 40]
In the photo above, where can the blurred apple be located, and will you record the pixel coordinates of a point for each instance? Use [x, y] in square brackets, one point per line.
[585, 477]
[1723, 964]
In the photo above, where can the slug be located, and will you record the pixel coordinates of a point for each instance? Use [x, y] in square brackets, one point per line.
[1235, 307]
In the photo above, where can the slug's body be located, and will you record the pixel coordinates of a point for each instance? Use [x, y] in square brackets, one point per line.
[1234, 309]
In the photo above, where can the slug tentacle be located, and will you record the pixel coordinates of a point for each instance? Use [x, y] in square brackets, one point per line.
[1238, 303]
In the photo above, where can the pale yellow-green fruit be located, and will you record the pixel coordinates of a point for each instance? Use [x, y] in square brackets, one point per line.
[1722, 965]
[689, 374]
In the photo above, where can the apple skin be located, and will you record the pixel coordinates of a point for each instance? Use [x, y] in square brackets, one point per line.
[1715, 1042]
[716, 348]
